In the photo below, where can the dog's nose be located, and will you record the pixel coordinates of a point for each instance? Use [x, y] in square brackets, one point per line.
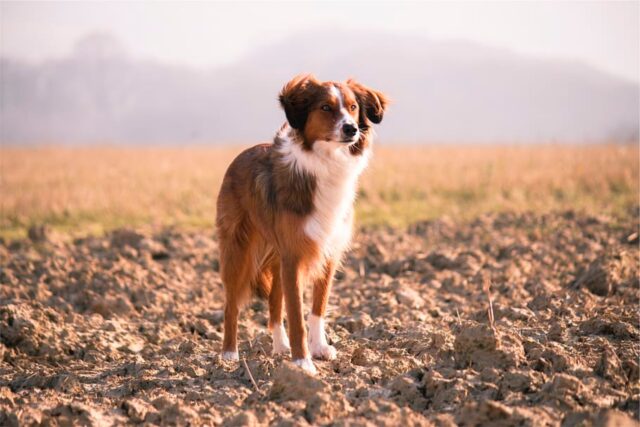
[349, 130]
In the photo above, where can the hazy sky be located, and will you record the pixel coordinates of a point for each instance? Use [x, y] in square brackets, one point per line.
[604, 34]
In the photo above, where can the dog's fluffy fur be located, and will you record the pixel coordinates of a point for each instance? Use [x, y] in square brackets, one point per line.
[285, 210]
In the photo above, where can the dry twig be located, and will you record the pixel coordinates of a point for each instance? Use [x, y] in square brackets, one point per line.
[253, 381]
[487, 290]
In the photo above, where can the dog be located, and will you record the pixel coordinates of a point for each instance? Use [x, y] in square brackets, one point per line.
[285, 211]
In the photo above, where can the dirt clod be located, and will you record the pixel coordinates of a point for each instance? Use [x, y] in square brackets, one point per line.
[324, 408]
[605, 274]
[291, 382]
[480, 346]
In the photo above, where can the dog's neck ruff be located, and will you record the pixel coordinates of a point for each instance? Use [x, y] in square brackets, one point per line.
[323, 159]
[336, 171]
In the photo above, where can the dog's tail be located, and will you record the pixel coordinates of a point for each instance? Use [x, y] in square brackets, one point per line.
[268, 267]
[261, 285]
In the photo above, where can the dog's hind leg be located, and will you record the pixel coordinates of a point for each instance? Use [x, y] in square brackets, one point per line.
[237, 268]
[279, 333]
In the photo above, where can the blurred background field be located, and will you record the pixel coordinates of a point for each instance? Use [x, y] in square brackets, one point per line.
[89, 190]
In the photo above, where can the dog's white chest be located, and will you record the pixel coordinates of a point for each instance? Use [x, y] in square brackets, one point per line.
[329, 224]
[336, 173]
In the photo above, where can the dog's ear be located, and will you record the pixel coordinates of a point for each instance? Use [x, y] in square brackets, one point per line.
[296, 98]
[372, 102]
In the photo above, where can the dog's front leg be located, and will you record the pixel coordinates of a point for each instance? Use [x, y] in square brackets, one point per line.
[292, 281]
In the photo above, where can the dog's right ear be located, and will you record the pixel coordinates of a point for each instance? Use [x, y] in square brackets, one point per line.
[296, 98]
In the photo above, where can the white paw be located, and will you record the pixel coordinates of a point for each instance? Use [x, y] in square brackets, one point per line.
[307, 365]
[230, 355]
[280, 340]
[318, 345]
[323, 351]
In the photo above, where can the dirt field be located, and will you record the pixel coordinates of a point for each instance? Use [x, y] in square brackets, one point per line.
[126, 328]
[111, 308]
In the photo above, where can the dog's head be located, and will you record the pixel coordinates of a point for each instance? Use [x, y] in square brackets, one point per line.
[331, 111]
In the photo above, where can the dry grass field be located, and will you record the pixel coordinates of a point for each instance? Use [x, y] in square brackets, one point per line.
[91, 190]
[505, 293]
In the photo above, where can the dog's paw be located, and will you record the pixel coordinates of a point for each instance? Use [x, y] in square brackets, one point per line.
[230, 355]
[323, 351]
[280, 341]
[318, 345]
[307, 365]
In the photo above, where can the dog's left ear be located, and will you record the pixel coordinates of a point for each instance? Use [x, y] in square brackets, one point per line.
[373, 103]
[296, 98]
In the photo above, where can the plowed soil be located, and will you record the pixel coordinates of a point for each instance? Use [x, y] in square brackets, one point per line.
[510, 319]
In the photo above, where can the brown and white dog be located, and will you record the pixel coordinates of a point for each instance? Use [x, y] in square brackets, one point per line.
[285, 211]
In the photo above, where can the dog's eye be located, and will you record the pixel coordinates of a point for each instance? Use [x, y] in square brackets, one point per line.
[326, 108]
[353, 107]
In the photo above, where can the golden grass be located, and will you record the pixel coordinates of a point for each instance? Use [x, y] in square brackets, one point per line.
[80, 190]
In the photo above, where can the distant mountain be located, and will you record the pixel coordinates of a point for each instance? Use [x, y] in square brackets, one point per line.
[442, 91]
